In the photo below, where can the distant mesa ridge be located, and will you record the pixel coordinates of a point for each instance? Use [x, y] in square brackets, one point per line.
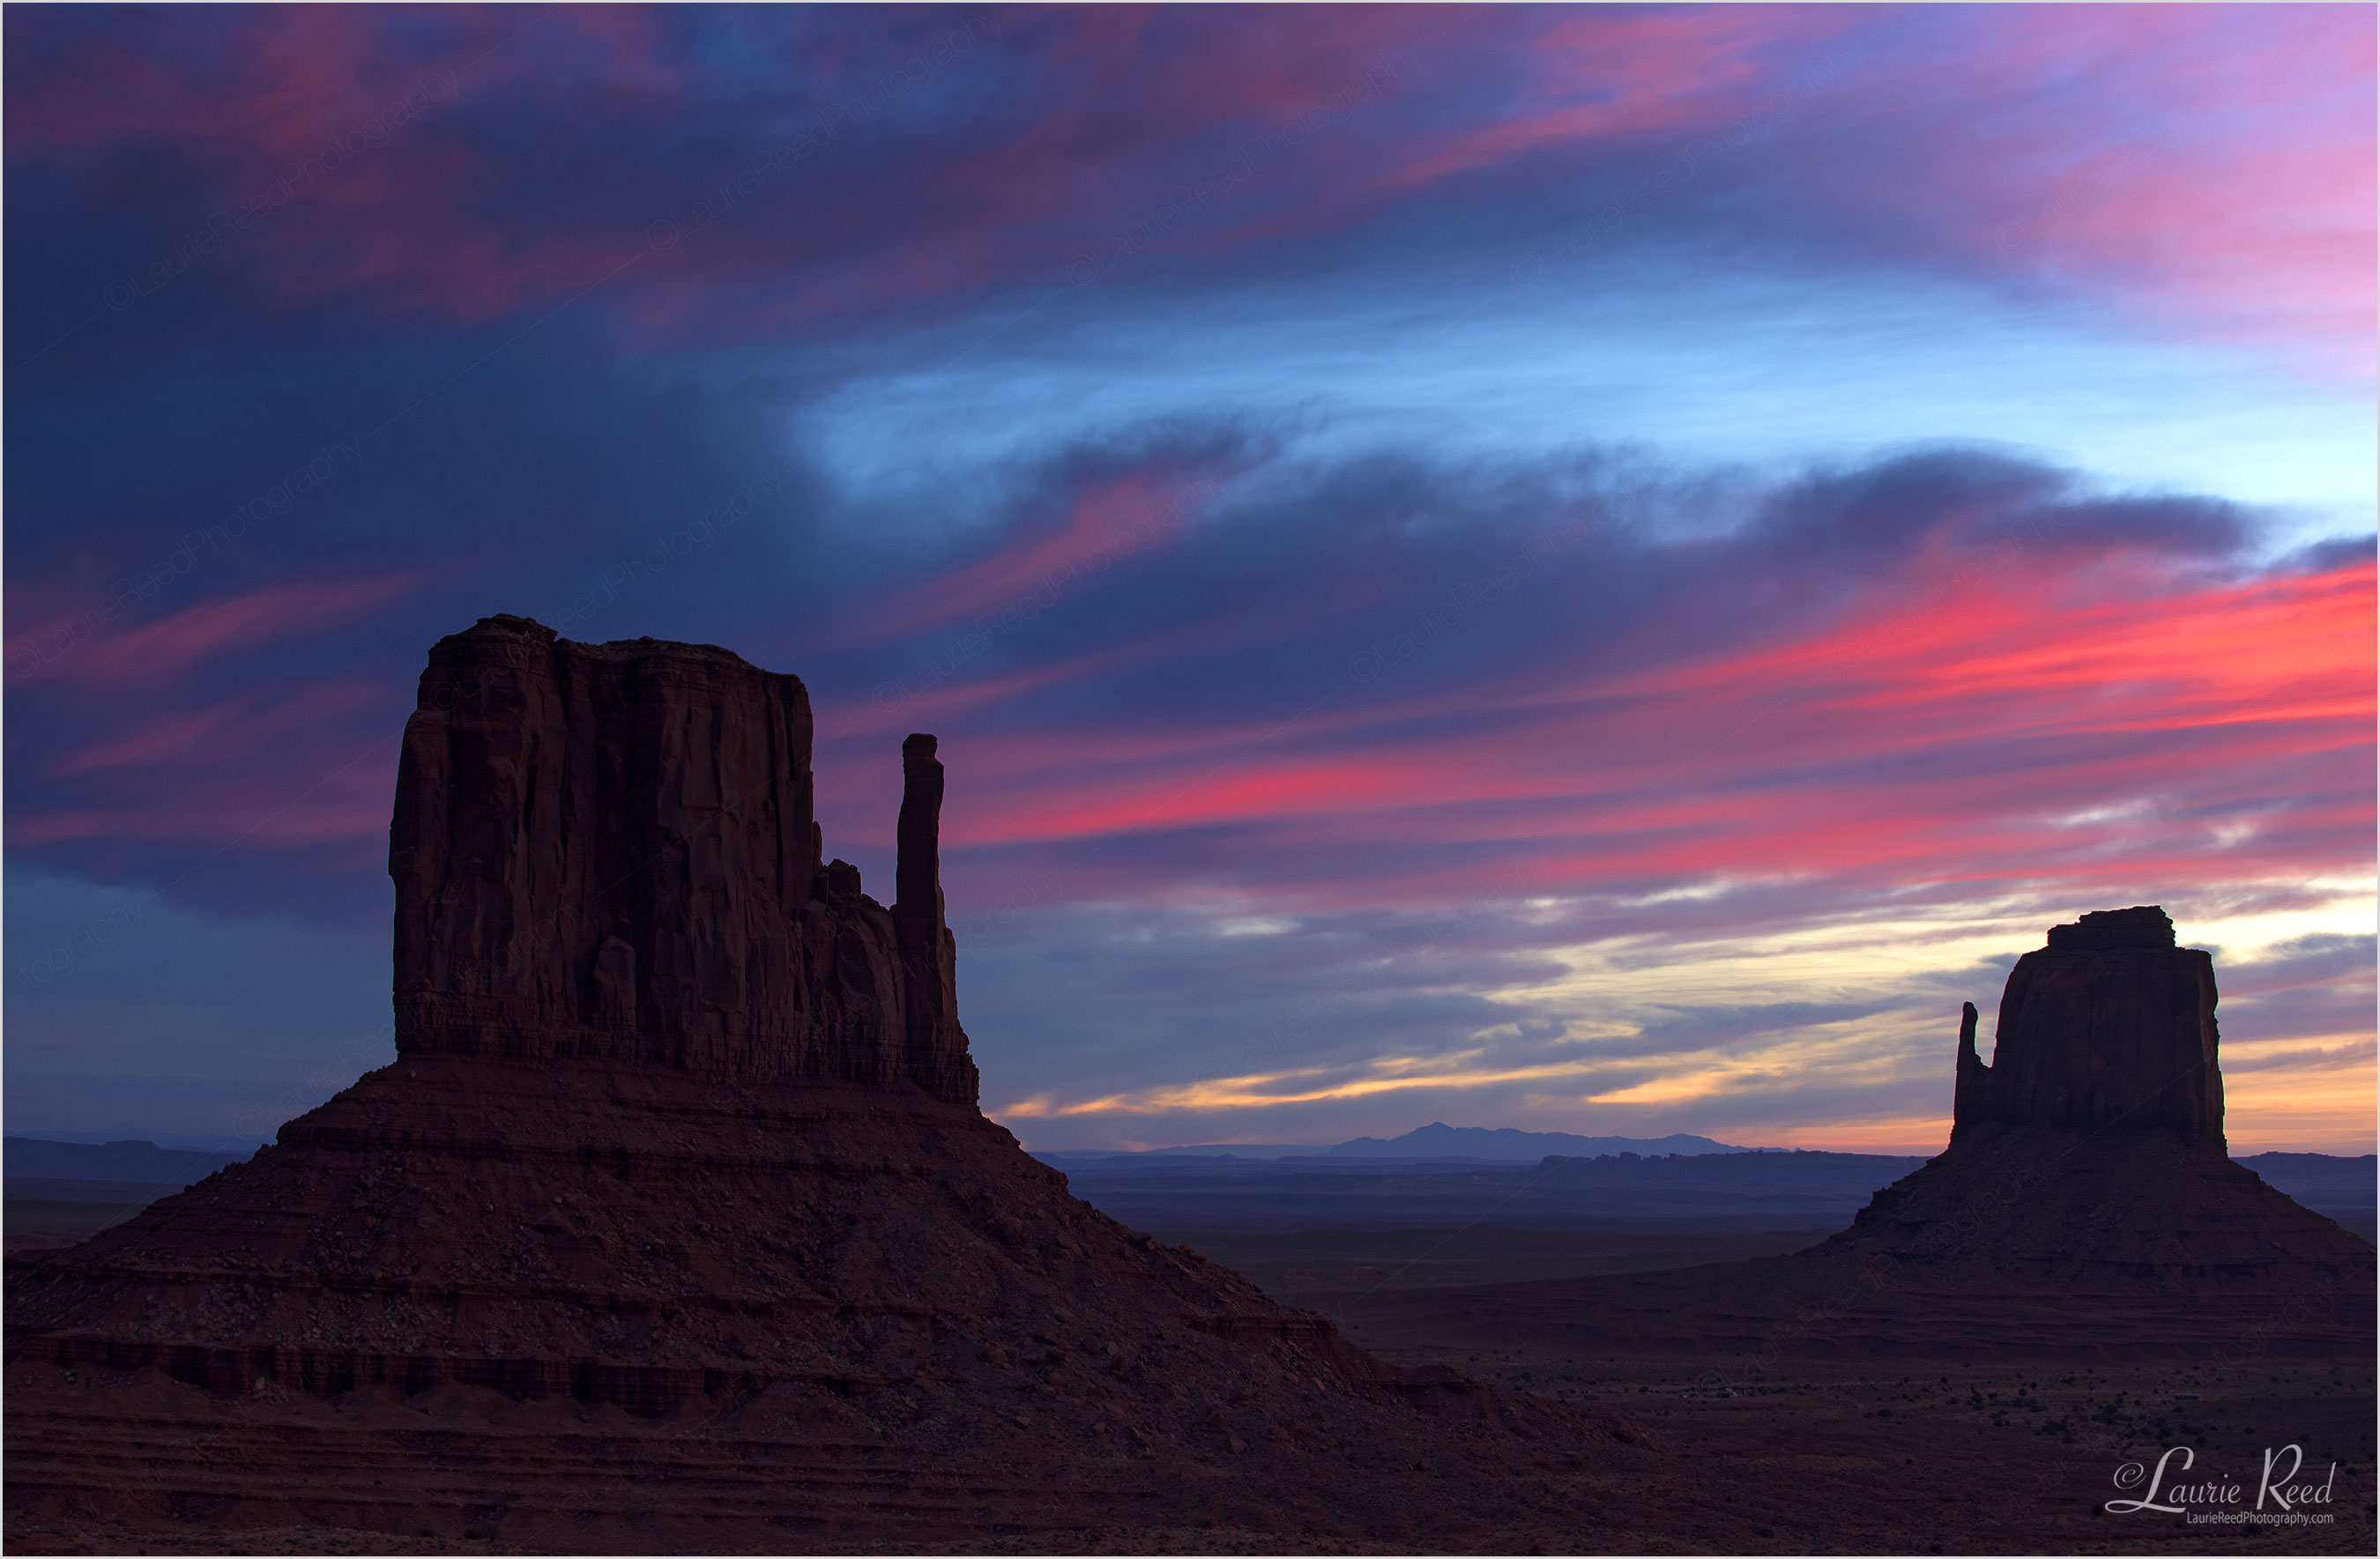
[1438, 1140]
[129, 1161]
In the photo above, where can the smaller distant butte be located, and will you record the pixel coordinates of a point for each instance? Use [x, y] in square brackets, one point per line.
[2089, 1160]
[2086, 1208]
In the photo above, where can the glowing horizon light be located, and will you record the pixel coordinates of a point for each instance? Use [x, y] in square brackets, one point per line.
[1592, 568]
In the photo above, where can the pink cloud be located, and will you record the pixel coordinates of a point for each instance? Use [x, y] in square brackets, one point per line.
[2092, 729]
[174, 643]
[1110, 522]
[238, 727]
[2207, 168]
[1603, 75]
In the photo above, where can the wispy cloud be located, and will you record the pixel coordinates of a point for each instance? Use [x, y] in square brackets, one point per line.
[1586, 567]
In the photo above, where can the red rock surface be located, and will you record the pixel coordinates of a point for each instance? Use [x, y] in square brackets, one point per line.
[609, 852]
[2110, 1028]
[675, 1224]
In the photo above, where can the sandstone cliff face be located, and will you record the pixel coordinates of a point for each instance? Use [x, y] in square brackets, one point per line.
[2110, 1028]
[608, 852]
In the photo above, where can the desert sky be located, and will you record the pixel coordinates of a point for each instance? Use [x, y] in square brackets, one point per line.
[1589, 569]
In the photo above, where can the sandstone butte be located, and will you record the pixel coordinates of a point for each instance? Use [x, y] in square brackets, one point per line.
[675, 1224]
[2090, 1155]
[2086, 1208]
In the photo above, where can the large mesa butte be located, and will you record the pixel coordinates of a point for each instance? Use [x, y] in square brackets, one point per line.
[675, 1222]
[611, 852]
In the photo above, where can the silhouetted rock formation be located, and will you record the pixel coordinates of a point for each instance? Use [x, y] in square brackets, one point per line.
[2110, 1028]
[609, 852]
[675, 1223]
[2091, 1150]
[2084, 1208]
[937, 1048]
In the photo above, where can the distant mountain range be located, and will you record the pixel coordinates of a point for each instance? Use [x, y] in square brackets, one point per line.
[1707, 1192]
[1412, 1187]
[1439, 1175]
[1436, 1140]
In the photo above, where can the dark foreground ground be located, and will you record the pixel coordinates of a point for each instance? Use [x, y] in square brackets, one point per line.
[1335, 1264]
[1909, 1454]
[1934, 1457]
[1817, 1458]
[1777, 1454]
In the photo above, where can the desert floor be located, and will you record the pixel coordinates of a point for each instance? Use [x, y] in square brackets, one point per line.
[1781, 1454]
